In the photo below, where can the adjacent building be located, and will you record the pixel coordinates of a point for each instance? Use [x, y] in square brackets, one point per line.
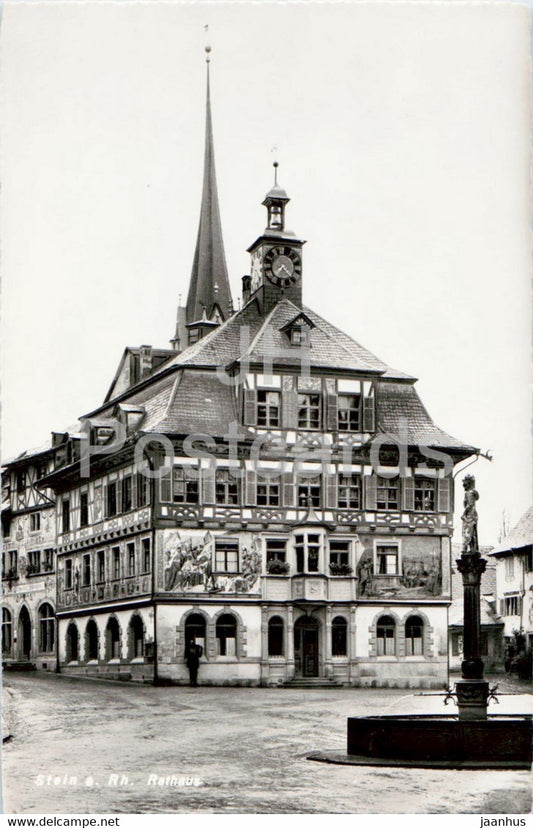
[268, 487]
[514, 582]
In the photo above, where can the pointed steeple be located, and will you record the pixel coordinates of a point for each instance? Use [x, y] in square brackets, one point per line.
[209, 296]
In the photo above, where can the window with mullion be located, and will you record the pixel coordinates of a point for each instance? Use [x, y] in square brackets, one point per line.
[387, 560]
[349, 496]
[184, 486]
[424, 494]
[349, 412]
[268, 491]
[388, 493]
[127, 493]
[309, 492]
[226, 488]
[268, 408]
[226, 556]
[309, 411]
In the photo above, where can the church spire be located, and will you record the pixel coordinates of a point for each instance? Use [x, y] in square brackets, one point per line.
[209, 297]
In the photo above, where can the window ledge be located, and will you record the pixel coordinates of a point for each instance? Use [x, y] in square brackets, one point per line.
[91, 662]
[137, 660]
[114, 661]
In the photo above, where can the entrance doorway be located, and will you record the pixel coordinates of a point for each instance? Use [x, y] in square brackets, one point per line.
[306, 630]
[24, 635]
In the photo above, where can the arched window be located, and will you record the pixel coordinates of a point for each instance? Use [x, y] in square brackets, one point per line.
[72, 642]
[226, 632]
[275, 636]
[136, 637]
[414, 636]
[386, 635]
[339, 636]
[91, 641]
[112, 639]
[46, 629]
[195, 629]
[7, 633]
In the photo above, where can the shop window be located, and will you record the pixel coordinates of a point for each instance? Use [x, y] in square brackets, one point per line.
[339, 636]
[72, 642]
[7, 633]
[91, 641]
[226, 635]
[195, 629]
[46, 629]
[112, 639]
[414, 636]
[136, 637]
[275, 636]
[386, 636]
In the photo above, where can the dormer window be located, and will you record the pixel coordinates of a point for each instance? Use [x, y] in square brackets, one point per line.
[298, 330]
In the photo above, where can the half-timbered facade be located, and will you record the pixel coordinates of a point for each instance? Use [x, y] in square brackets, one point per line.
[28, 563]
[269, 488]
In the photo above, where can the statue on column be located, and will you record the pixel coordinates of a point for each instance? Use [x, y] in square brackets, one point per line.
[469, 516]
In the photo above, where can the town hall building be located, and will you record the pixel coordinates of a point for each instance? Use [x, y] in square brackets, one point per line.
[266, 487]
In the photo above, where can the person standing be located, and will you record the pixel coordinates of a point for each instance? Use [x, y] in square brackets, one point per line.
[193, 653]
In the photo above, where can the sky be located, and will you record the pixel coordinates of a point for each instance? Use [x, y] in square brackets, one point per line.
[403, 137]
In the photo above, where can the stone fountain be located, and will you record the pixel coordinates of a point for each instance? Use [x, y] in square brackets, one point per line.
[472, 738]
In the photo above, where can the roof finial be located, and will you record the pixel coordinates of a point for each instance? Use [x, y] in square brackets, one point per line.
[275, 165]
[208, 47]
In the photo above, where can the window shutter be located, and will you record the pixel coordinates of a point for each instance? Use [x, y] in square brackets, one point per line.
[288, 489]
[105, 510]
[133, 490]
[289, 409]
[408, 494]
[371, 492]
[250, 491]
[331, 491]
[165, 486]
[331, 413]
[208, 485]
[369, 414]
[249, 407]
[443, 494]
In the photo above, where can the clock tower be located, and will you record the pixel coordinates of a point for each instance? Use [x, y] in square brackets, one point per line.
[276, 257]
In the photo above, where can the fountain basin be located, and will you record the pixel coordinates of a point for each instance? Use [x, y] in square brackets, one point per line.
[500, 742]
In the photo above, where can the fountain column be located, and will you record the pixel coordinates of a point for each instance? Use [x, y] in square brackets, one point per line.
[472, 690]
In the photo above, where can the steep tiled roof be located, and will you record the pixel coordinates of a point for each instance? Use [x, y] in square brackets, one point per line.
[200, 403]
[399, 407]
[521, 535]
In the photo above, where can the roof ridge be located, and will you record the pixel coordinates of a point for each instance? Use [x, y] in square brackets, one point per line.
[340, 344]
[266, 321]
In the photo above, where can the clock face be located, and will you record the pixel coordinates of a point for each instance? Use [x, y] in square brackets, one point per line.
[283, 265]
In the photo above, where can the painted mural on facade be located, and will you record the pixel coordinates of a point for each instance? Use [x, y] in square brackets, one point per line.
[419, 575]
[189, 560]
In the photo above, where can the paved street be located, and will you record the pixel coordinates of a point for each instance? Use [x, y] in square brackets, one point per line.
[97, 747]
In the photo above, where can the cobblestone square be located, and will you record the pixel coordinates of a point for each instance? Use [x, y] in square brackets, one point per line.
[108, 747]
